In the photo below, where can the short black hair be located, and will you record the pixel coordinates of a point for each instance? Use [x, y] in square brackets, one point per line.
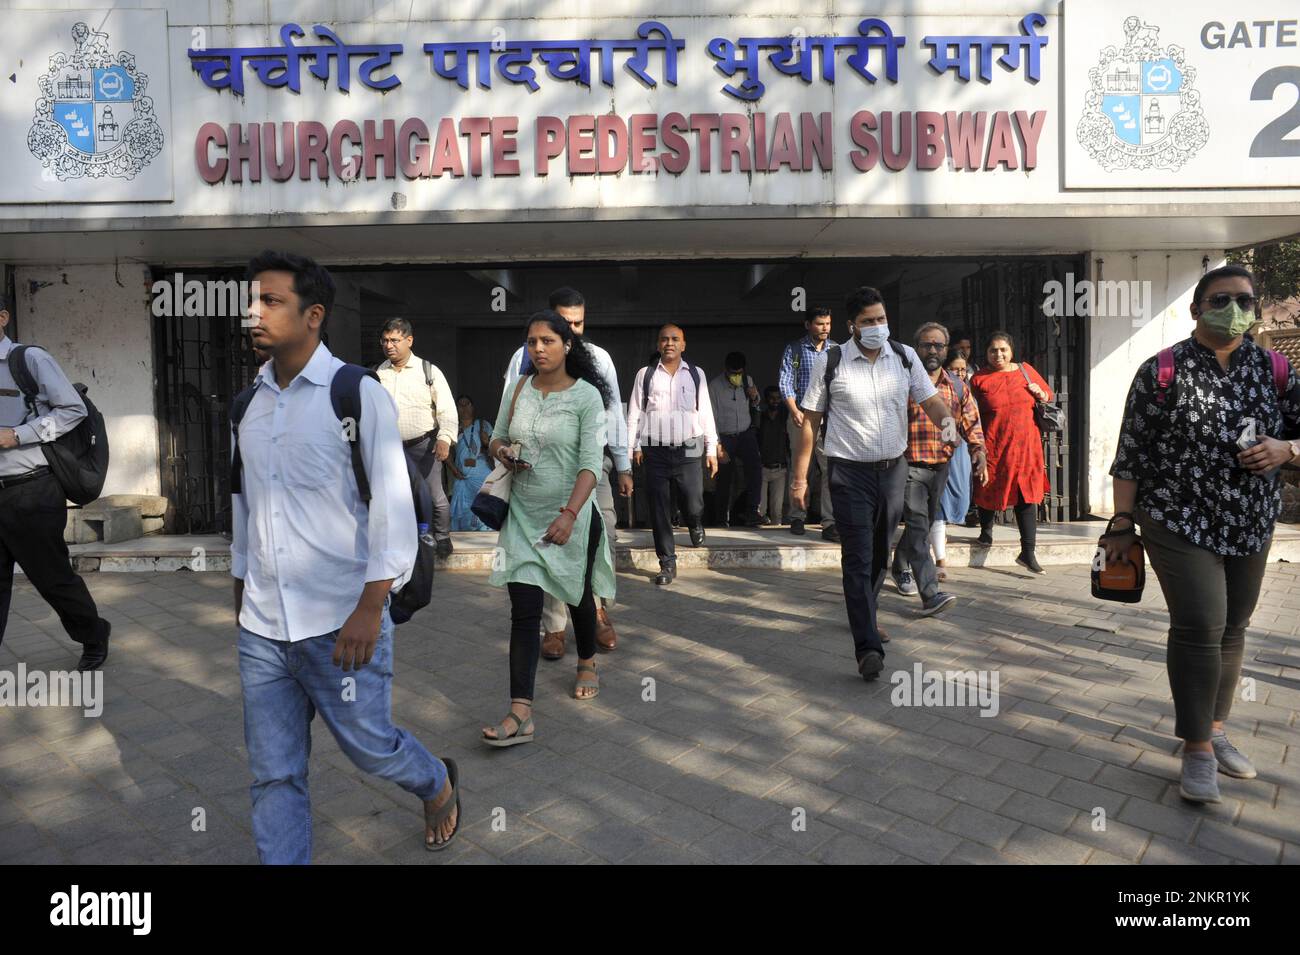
[1222, 272]
[735, 361]
[861, 298]
[771, 390]
[397, 325]
[818, 312]
[1001, 335]
[960, 334]
[565, 297]
[312, 283]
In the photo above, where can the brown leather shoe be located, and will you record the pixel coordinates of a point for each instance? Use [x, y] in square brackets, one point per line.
[553, 645]
[606, 638]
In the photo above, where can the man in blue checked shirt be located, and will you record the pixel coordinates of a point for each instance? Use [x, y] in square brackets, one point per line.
[796, 366]
[313, 567]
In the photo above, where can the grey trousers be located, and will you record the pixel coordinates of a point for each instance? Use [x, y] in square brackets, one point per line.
[431, 469]
[1210, 598]
[555, 613]
[818, 458]
[772, 500]
[921, 499]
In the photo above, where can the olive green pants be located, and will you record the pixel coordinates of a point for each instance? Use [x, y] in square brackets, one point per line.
[1210, 598]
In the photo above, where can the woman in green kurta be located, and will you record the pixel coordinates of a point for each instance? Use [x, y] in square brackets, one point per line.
[553, 541]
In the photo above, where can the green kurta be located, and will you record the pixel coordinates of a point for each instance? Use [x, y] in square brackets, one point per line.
[562, 433]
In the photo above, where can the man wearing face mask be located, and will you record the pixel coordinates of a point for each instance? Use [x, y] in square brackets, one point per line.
[1207, 425]
[862, 387]
[735, 402]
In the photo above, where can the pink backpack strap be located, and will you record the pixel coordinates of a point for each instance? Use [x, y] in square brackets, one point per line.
[1164, 372]
[1281, 371]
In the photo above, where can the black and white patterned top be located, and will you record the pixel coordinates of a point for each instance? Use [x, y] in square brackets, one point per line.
[1183, 454]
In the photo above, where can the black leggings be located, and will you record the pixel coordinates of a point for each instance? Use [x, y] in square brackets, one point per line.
[526, 621]
[1026, 521]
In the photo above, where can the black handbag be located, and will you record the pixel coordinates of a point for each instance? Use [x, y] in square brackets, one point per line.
[1049, 417]
[1122, 581]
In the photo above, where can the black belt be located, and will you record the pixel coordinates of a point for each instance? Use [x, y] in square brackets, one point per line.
[873, 465]
[424, 437]
[926, 465]
[17, 479]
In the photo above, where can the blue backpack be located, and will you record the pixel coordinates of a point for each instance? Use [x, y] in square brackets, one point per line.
[345, 399]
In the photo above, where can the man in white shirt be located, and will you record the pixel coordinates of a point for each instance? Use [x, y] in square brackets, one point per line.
[426, 417]
[570, 305]
[33, 506]
[313, 566]
[866, 437]
[670, 423]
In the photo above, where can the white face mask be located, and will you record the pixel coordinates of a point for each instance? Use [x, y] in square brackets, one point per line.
[873, 336]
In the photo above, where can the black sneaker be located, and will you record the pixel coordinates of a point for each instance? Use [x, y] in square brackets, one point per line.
[95, 652]
[870, 665]
[1030, 564]
[985, 540]
[443, 548]
[796, 528]
[831, 534]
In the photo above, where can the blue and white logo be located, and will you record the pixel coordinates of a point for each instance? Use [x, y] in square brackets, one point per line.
[1141, 110]
[93, 118]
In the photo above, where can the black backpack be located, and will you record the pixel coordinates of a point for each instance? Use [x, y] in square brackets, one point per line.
[79, 458]
[649, 374]
[345, 399]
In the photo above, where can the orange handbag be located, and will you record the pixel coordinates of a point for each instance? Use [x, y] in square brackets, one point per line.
[1123, 580]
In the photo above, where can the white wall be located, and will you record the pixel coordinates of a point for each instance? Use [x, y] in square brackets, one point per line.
[95, 321]
[1117, 347]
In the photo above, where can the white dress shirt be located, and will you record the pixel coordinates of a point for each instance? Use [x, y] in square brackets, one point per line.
[304, 542]
[615, 426]
[868, 416]
[57, 403]
[420, 406]
[671, 418]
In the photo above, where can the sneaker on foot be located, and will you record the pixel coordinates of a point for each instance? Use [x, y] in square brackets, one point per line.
[1030, 563]
[905, 583]
[1230, 759]
[796, 528]
[1199, 781]
[937, 604]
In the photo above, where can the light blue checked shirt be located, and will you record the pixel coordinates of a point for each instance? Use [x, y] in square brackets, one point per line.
[796, 367]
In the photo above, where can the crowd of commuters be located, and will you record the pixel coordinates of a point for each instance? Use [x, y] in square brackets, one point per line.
[890, 432]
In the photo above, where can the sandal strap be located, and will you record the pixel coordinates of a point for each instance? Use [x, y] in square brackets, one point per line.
[586, 668]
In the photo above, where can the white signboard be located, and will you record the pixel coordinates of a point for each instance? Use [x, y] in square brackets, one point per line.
[1199, 94]
[86, 110]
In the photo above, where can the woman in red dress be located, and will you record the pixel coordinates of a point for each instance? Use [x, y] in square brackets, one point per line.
[1017, 477]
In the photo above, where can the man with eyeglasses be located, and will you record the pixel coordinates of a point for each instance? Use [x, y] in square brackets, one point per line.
[929, 449]
[1207, 425]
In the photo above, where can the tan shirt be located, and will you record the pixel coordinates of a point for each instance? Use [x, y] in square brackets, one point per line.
[419, 406]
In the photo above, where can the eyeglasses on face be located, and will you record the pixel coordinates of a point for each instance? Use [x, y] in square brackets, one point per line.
[1245, 301]
[931, 346]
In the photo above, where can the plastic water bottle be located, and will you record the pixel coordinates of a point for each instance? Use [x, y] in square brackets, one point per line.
[425, 536]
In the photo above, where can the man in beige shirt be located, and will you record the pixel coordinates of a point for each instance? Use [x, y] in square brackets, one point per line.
[426, 417]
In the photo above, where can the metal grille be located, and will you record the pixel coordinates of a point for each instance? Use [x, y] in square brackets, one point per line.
[1008, 296]
[201, 362]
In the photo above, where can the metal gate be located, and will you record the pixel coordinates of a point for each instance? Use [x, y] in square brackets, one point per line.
[1008, 296]
[201, 362]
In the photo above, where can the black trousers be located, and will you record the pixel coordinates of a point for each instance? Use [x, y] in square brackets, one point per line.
[526, 603]
[667, 466]
[742, 451]
[868, 502]
[32, 518]
[1026, 521]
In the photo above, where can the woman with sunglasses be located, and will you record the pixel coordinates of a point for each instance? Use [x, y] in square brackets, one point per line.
[1206, 506]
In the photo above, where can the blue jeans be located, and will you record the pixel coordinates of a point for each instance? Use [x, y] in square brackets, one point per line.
[868, 502]
[284, 685]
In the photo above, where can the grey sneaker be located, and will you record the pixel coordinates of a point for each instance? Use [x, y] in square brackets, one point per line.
[1231, 761]
[1199, 782]
[937, 604]
[905, 584]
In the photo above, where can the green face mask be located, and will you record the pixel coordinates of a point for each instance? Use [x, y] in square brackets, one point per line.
[1230, 321]
[735, 380]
